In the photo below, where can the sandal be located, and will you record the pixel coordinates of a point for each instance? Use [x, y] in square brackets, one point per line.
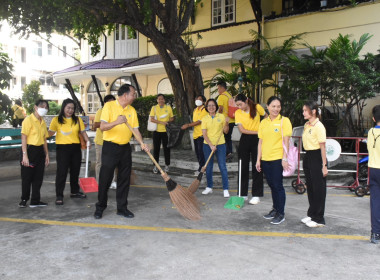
[78, 195]
[59, 202]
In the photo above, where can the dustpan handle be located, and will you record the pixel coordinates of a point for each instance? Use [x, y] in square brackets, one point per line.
[239, 177]
[87, 156]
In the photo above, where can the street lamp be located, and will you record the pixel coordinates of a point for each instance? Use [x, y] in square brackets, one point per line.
[240, 83]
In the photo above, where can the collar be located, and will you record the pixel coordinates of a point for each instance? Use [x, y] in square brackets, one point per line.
[314, 123]
[35, 119]
[377, 126]
[118, 103]
[200, 108]
[276, 119]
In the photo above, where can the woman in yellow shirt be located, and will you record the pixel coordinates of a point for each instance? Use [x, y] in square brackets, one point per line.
[247, 117]
[19, 113]
[213, 126]
[271, 157]
[35, 155]
[198, 114]
[314, 165]
[164, 114]
[68, 126]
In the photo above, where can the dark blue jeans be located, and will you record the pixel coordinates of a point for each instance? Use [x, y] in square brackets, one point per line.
[221, 157]
[374, 186]
[273, 174]
[198, 145]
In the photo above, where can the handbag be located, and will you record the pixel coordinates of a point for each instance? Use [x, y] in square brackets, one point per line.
[292, 156]
[151, 125]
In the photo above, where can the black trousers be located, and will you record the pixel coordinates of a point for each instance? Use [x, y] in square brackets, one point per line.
[120, 156]
[159, 137]
[68, 157]
[227, 137]
[248, 151]
[316, 185]
[32, 177]
[198, 145]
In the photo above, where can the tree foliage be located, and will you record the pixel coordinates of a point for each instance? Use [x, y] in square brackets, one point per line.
[31, 95]
[6, 69]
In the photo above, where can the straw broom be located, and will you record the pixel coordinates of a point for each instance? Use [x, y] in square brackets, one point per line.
[185, 202]
[195, 184]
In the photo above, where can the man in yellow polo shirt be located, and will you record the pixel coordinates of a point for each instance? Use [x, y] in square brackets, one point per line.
[223, 98]
[116, 150]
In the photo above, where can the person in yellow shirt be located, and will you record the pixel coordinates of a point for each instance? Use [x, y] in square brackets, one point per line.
[247, 118]
[198, 113]
[67, 127]
[164, 115]
[213, 126]
[373, 145]
[116, 150]
[19, 113]
[99, 141]
[223, 98]
[271, 158]
[314, 165]
[35, 155]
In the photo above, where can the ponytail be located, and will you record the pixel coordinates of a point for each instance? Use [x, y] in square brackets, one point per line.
[252, 105]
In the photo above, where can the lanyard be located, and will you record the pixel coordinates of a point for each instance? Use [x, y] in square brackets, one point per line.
[375, 138]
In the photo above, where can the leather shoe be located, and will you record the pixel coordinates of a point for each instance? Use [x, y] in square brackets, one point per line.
[98, 214]
[126, 213]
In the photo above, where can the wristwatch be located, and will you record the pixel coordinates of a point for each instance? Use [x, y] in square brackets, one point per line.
[285, 159]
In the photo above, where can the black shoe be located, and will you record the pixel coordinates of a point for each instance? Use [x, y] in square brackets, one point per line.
[98, 214]
[22, 204]
[39, 204]
[278, 219]
[78, 195]
[270, 215]
[126, 213]
[375, 238]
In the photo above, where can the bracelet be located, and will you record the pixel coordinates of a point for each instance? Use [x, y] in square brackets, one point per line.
[23, 153]
[285, 159]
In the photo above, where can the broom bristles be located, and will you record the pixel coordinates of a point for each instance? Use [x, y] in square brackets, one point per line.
[196, 183]
[185, 202]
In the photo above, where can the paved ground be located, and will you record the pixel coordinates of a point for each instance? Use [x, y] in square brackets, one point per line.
[68, 243]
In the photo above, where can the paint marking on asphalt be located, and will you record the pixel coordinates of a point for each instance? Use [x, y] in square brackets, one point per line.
[184, 230]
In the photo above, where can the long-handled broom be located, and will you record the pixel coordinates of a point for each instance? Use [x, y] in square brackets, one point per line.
[195, 184]
[185, 202]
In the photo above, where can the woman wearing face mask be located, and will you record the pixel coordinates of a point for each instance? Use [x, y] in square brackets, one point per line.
[247, 117]
[164, 114]
[314, 165]
[68, 126]
[271, 157]
[198, 114]
[35, 155]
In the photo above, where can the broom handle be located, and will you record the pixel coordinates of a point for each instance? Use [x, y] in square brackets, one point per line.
[141, 142]
[212, 152]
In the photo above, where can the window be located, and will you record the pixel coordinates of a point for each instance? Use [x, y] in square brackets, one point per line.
[223, 12]
[93, 101]
[23, 82]
[50, 49]
[119, 82]
[126, 42]
[37, 51]
[164, 87]
[23, 55]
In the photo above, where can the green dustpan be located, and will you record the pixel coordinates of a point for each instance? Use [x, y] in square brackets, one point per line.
[236, 202]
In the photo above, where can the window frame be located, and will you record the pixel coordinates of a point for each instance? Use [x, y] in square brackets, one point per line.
[223, 15]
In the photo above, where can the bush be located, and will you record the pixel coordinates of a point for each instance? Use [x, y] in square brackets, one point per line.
[54, 108]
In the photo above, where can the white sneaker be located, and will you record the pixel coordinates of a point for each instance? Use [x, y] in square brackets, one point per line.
[113, 186]
[313, 224]
[306, 220]
[245, 198]
[155, 170]
[166, 168]
[226, 193]
[207, 191]
[255, 200]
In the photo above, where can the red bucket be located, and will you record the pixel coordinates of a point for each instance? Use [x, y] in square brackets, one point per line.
[88, 184]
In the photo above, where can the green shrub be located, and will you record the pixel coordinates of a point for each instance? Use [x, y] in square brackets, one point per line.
[54, 108]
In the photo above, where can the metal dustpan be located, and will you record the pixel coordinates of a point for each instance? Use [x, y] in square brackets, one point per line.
[236, 202]
[88, 184]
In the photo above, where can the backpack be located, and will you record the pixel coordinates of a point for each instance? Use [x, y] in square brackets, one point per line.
[231, 107]
[292, 156]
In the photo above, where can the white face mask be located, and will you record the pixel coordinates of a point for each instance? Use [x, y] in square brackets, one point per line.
[198, 102]
[42, 111]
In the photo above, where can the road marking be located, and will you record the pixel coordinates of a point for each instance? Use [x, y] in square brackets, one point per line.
[183, 230]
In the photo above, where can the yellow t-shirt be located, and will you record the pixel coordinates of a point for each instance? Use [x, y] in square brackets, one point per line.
[163, 114]
[99, 134]
[374, 152]
[68, 132]
[35, 130]
[198, 115]
[223, 101]
[214, 127]
[119, 134]
[270, 133]
[313, 134]
[243, 118]
[18, 112]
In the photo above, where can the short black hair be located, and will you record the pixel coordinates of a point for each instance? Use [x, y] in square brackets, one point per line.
[18, 102]
[376, 113]
[160, 94]
[40, 101]
[126, 88]
[273, 98]
[216, 104]
[201, 96]
[109, 98]
[222, 83]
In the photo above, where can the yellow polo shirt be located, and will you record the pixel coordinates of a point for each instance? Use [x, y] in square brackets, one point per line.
[119, 134]
[373, 152]
[270, 133]
[223, 101]
[313, 134]
[18, 112]
[214, 127]
[35, 130]
[163, 114]
[198, 115]
[243, 118]
[68, 132]
[99, 134]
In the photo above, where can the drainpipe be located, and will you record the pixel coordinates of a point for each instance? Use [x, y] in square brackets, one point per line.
[105, 46]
